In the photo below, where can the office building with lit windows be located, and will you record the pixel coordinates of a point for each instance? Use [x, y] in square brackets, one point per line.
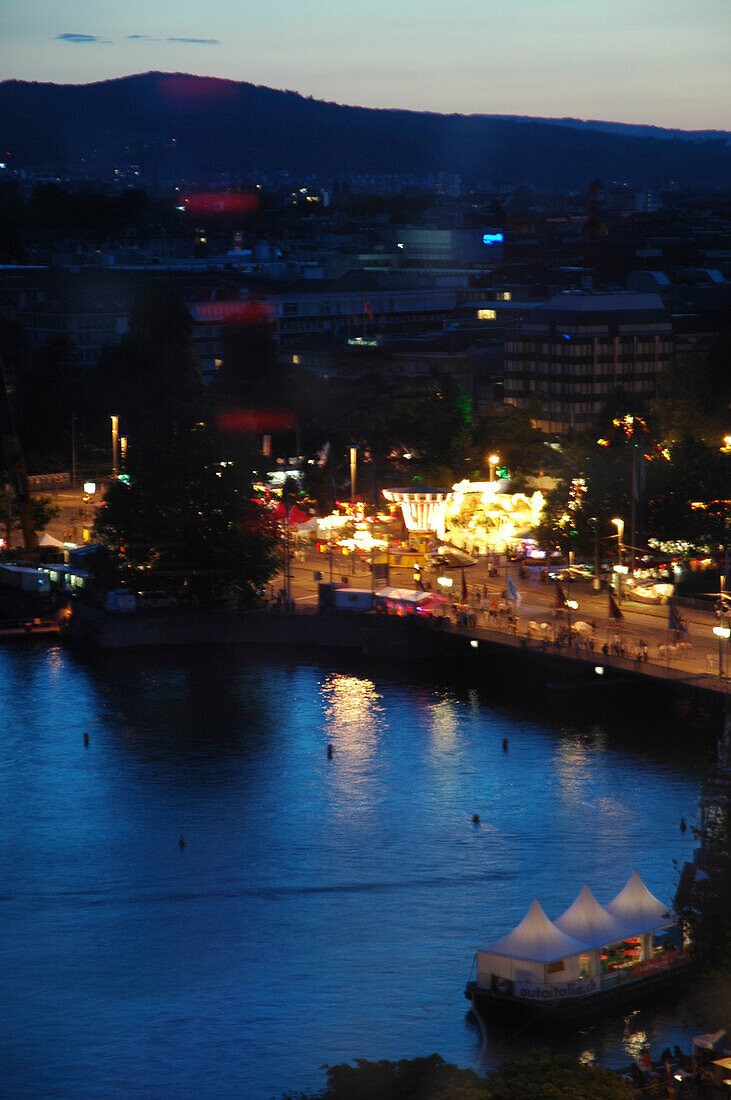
[573, 351]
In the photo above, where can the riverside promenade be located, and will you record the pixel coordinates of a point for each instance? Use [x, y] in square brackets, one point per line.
[634, 652]
[695, 656]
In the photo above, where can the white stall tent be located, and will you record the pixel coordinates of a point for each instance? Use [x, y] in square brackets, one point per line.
[639, 910]
[527, 953]
[588, 921]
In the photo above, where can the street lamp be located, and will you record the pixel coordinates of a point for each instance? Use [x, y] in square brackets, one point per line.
[596, 583]
[115, 445]
[619, 524]
[723, 633]
[493, 460]
[353, 464]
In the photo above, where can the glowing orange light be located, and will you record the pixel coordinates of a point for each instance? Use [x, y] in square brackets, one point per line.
[221, 202]
[255, 420]
[233, 313]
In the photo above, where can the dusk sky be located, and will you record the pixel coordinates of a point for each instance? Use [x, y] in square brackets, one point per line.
[664, 62]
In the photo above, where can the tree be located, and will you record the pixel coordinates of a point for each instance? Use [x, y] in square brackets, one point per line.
[44, 510]
[535, 1075]
[417, 1079]
[152, 377]
[706, 907]
[682, 398]
[508, 432]
[48, 393]
[250, 375]
[718, 382]
[541, 1075]
[187, 519]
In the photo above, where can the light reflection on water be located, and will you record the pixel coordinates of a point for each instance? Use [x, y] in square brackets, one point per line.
[321, 909]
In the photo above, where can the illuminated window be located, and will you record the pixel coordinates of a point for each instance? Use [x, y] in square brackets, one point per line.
[503, 296]
[295, 360]
[486, 314]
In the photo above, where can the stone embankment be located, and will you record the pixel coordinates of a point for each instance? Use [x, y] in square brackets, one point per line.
[489, 653]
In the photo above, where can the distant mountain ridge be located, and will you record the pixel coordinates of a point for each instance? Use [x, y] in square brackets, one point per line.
[183, 126]
[633, 129]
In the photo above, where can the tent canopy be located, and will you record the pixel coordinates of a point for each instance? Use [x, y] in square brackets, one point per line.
[433, 599]
[638, 909]
[537, 939]
[296, 515]
[403, 595]
[710, 1041]
[586, 920]
[45, 539]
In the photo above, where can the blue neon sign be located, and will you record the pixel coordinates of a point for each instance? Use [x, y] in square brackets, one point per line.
[492, 238]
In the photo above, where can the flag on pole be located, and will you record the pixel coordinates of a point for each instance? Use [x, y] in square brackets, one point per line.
[674, 620]
[615, 611]
[561, 601]
[638, 475]
[367, 308]
[513, 593]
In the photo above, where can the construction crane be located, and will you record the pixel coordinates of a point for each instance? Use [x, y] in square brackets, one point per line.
[11, 457]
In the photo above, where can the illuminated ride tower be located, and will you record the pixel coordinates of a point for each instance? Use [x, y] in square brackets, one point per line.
[424, 513]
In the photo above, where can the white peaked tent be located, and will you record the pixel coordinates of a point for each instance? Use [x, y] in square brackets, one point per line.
[586, 920]
[524, 953]
[639, 910]
[45, 539]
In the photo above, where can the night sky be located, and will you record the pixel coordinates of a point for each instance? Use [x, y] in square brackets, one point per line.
[664, 62]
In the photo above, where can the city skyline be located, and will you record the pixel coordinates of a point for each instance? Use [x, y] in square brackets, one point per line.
[661, 63]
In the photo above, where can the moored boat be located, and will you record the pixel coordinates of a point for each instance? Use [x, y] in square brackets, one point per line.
[591, 959]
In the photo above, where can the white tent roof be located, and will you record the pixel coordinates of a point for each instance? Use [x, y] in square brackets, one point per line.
[402, 595]
[45, 539]
[638, 909]
[536, 939]
[709, 1041]
[586, 920]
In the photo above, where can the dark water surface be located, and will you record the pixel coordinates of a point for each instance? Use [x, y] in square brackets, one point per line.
[320, 910]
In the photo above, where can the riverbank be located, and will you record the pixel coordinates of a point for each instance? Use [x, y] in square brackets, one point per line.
[485, 652]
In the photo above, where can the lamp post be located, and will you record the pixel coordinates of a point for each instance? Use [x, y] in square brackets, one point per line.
[619, 524]
[596, 583]
[115, 445]
[493, 460]
[353, 463]
[723, 633]
[723, 630]
[571, 605]
[73, 449]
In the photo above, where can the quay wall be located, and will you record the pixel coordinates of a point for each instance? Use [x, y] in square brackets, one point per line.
[368, 634]
[475, 651]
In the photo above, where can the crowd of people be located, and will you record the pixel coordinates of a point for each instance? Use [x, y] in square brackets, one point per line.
[674, 1075]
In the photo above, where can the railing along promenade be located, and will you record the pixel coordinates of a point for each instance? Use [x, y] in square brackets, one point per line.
[672, 663]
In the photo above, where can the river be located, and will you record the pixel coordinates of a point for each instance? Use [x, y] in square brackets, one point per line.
[201, 903]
